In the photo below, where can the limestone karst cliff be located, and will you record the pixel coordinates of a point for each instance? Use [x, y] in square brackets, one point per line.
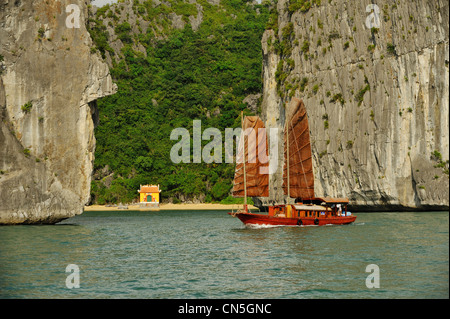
[377, 98]
[49, 81]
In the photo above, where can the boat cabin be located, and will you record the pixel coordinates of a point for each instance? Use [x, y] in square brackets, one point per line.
[313, 208]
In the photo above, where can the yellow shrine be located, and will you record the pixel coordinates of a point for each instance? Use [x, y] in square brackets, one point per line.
[149, 195]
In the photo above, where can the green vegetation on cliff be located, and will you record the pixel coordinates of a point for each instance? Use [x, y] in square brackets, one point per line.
[183, 75]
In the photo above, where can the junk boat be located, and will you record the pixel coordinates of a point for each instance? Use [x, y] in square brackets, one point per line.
[252, 179]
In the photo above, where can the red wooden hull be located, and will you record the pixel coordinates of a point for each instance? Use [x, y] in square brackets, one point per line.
[260, 219]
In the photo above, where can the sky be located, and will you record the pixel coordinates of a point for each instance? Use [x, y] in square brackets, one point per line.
[100, 3]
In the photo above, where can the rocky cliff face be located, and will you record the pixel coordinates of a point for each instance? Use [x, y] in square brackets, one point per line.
[130, 17]
[377, 98]
[49, 82]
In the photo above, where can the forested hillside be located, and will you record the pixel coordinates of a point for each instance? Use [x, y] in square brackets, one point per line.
[173, 61]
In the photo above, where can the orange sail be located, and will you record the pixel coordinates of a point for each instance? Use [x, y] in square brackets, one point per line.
[253, 141]
[298, 176]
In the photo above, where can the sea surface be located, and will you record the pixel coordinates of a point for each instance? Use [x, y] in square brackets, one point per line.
[209, 254]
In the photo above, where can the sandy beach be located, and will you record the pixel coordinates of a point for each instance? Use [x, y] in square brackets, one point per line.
[205, 206]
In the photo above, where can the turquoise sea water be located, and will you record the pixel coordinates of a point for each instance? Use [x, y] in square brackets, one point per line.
[209, 254]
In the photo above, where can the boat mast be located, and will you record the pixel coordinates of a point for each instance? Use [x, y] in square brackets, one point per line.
[287, 158]
[245, 173]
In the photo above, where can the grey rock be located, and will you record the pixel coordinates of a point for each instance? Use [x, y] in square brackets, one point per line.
[196, 21]
[177, 20]
[373, 146]
[214, 2]
[252, 101]
[47, 151]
